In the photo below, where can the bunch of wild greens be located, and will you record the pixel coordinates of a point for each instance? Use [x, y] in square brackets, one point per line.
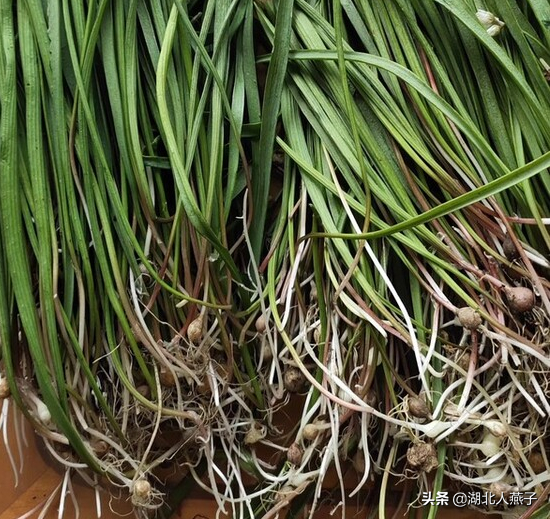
[123, 263]
[213, 212]
[418, 133]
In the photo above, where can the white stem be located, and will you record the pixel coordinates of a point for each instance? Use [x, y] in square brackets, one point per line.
[524, 392]
[63, 496]
[364, 445]
[4, 424]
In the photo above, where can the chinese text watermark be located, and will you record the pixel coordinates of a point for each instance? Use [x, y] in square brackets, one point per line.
[461, 499]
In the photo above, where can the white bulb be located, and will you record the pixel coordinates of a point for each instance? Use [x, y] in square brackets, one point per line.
[485, 17]
[496, 428]
[490, 22]
[494, 30]
[490, 446]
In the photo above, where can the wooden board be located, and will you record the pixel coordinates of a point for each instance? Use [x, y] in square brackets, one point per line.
[28, 466]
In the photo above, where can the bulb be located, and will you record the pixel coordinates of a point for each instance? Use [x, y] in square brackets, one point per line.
[261, 324]
[418, 407]
[294, 454]
[520, 299]
[141, 491]
[495, 428]
[490, 445]
[468, 318]
[485, 17]
[294, 379]
[194, 331]
[4, 389]
[490, 22]
[310, 432]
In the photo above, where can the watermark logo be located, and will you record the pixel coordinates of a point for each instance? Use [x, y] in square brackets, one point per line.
[462, 499]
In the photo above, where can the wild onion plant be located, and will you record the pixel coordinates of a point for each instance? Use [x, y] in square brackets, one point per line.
[216, 214]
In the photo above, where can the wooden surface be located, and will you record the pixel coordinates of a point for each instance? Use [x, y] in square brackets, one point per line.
[29, 466]
[38, 482]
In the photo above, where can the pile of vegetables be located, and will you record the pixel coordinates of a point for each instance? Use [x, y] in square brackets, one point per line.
[216, 214]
